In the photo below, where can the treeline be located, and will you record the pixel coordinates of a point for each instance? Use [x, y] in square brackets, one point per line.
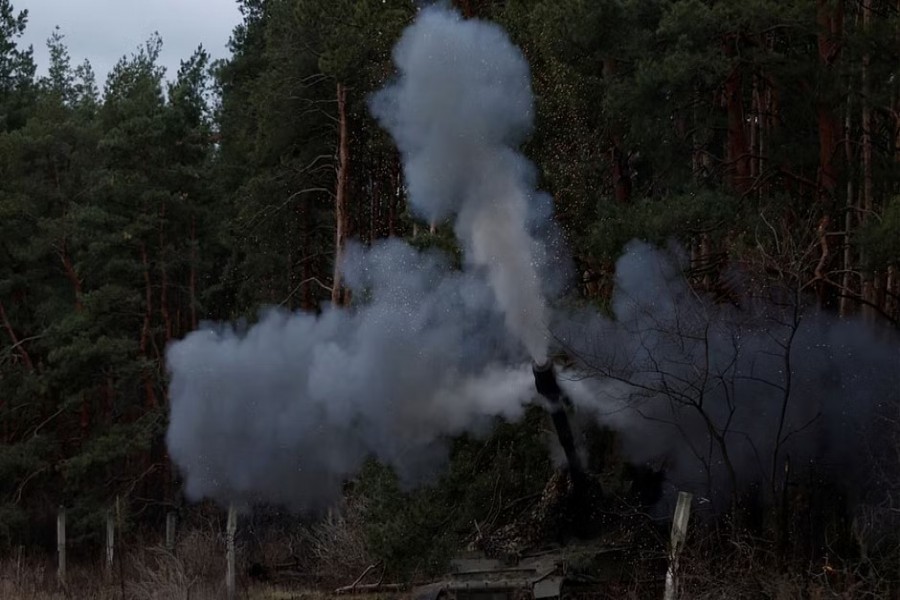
[760, 133]
[105, 199]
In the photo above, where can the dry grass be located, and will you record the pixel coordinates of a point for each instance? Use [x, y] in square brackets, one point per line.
[278, 593]
[330, 553]
[750, 571]
[195, 571]
[325, 555]
[33, 579]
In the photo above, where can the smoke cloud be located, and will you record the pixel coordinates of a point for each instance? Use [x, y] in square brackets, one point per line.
[723, 395]
[289, 409]
[460, 107]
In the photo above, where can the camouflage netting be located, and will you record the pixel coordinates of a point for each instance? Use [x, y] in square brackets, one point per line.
[563, 512]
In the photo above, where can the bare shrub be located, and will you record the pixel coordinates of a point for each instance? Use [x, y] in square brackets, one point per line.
[746, 568]
[159, 574]
[196, 570]
[29, 578]
[22, 578]
[337, 548]
[202, 553]
[329, 552]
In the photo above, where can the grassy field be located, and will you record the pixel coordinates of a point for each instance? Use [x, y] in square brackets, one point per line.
[33, 580]
[195, 571]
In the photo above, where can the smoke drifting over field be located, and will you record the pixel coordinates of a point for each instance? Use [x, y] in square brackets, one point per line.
[287, 410]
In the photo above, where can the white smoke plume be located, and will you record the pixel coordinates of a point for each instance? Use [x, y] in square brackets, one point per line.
[288, 410]
[459, 109]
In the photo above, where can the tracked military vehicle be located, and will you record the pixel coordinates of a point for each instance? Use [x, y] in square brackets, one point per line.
[598, 552]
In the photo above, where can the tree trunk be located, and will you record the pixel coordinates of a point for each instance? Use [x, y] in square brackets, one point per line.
[866, 203]
[192, 278]
[109, 400]
[17, 344]
[891, 292]
[339, 296]
[307, 302]
[375, 206]
[830, 21]
[163, 276]
[394, 200]
[770, 125]
[85, 416]
[150, 394]
[621, 171]
[765, 121]
[71, 275]
[755, 118]
[736, 154]
[846, 282]
[696, 150]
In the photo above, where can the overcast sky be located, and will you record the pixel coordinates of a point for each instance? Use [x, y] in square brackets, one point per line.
[104, 30]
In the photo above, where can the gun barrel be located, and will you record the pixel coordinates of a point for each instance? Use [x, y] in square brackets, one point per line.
[547, 386]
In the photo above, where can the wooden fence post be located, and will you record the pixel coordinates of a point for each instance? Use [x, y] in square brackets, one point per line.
[229, 551]
[679, 532]
[110, 541]
[170, 531]
[61, 544]
[19, 551]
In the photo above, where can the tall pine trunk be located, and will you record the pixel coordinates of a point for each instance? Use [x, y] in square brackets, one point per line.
[16, 343]
[146, 333]
[192, 277]
[866, 202]
[736, 154]
[164, 276]
[830, 18]
[618, 156]
[340, 296]
[830, 22]
[71, 274]
[844, 306]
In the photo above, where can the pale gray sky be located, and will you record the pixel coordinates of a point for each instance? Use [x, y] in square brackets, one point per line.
[104, 30]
